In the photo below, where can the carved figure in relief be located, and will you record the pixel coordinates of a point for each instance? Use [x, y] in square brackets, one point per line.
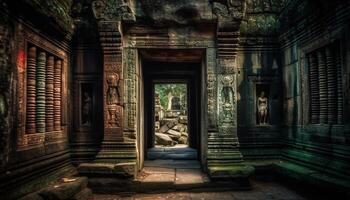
[227, 98]
[262, 108]
[86, 109]
[113, 94]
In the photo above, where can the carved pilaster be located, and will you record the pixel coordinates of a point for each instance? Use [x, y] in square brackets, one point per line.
[57, 95]
[224, 157]
[31, 71]
[110, 39]
[110, 14]
[212, 89]
[130, 89]
[40, 93]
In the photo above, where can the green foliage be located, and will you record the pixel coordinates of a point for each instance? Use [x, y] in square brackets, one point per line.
[164, 89]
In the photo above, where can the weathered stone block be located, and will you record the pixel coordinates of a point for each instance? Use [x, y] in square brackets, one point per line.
[124, 170]
[164, 139]
[64, 190]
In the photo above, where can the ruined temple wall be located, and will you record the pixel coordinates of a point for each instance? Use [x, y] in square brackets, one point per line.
[259, 70]
[315, 47]
[34, 149]
[259, 63]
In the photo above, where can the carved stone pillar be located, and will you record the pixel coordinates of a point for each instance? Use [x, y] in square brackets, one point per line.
[40, 93]
[212, 90]
[110, 38]
[57, 95]
[31, 91]
[49, 108]
[115, 149]
[224, 158]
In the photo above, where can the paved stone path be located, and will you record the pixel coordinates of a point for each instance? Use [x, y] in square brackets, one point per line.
[262, 190]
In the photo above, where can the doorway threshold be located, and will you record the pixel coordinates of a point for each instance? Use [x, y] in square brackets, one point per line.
[172, 153]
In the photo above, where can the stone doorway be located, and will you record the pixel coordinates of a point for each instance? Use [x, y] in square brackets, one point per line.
[178, 123]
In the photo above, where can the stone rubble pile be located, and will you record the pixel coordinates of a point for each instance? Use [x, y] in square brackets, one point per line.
[172, 131]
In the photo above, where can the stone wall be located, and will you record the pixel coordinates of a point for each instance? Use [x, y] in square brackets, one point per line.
[30, 160]
[322, 145]
[259, 62]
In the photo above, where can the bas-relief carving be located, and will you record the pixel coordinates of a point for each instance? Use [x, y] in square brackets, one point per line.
[229, 12]
[112, 10]
[130, 87]
[211, 88]
[227, 99]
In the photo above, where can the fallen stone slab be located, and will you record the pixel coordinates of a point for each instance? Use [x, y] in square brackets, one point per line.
[164, 139]
[168, 123]
[180, 128]
[174, 134]
[184, 134]
[182, 140]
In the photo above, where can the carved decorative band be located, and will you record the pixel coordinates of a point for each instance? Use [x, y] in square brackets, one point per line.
[30, 140]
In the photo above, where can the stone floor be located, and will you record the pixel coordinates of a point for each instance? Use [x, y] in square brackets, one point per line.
[262, 190]
[183, 179]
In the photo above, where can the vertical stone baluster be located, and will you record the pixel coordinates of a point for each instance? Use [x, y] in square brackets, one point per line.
[40, 93]
[332, 87]
[49, 94]
[31, 85]
[339, 86]
[314, 91]
[322, 76]
[57, 95]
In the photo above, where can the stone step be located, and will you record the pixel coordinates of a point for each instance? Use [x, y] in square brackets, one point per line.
[123, 170]
[70, 188]
[172, 153]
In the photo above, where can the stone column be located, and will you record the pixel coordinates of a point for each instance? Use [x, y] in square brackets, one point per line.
[110, 39]
[57, 95]
[40, 93]
[224, 158]
[31, 91]
[49, 107]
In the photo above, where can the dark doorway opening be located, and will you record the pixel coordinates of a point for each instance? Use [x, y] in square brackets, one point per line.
[166, 74]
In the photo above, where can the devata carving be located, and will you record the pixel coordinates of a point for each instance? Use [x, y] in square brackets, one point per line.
[227, 98]
[112, 10]
[113, 94]
[262, 108]
[86, 109]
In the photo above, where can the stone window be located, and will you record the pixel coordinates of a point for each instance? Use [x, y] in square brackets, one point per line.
[325, 85]
[43, 91]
